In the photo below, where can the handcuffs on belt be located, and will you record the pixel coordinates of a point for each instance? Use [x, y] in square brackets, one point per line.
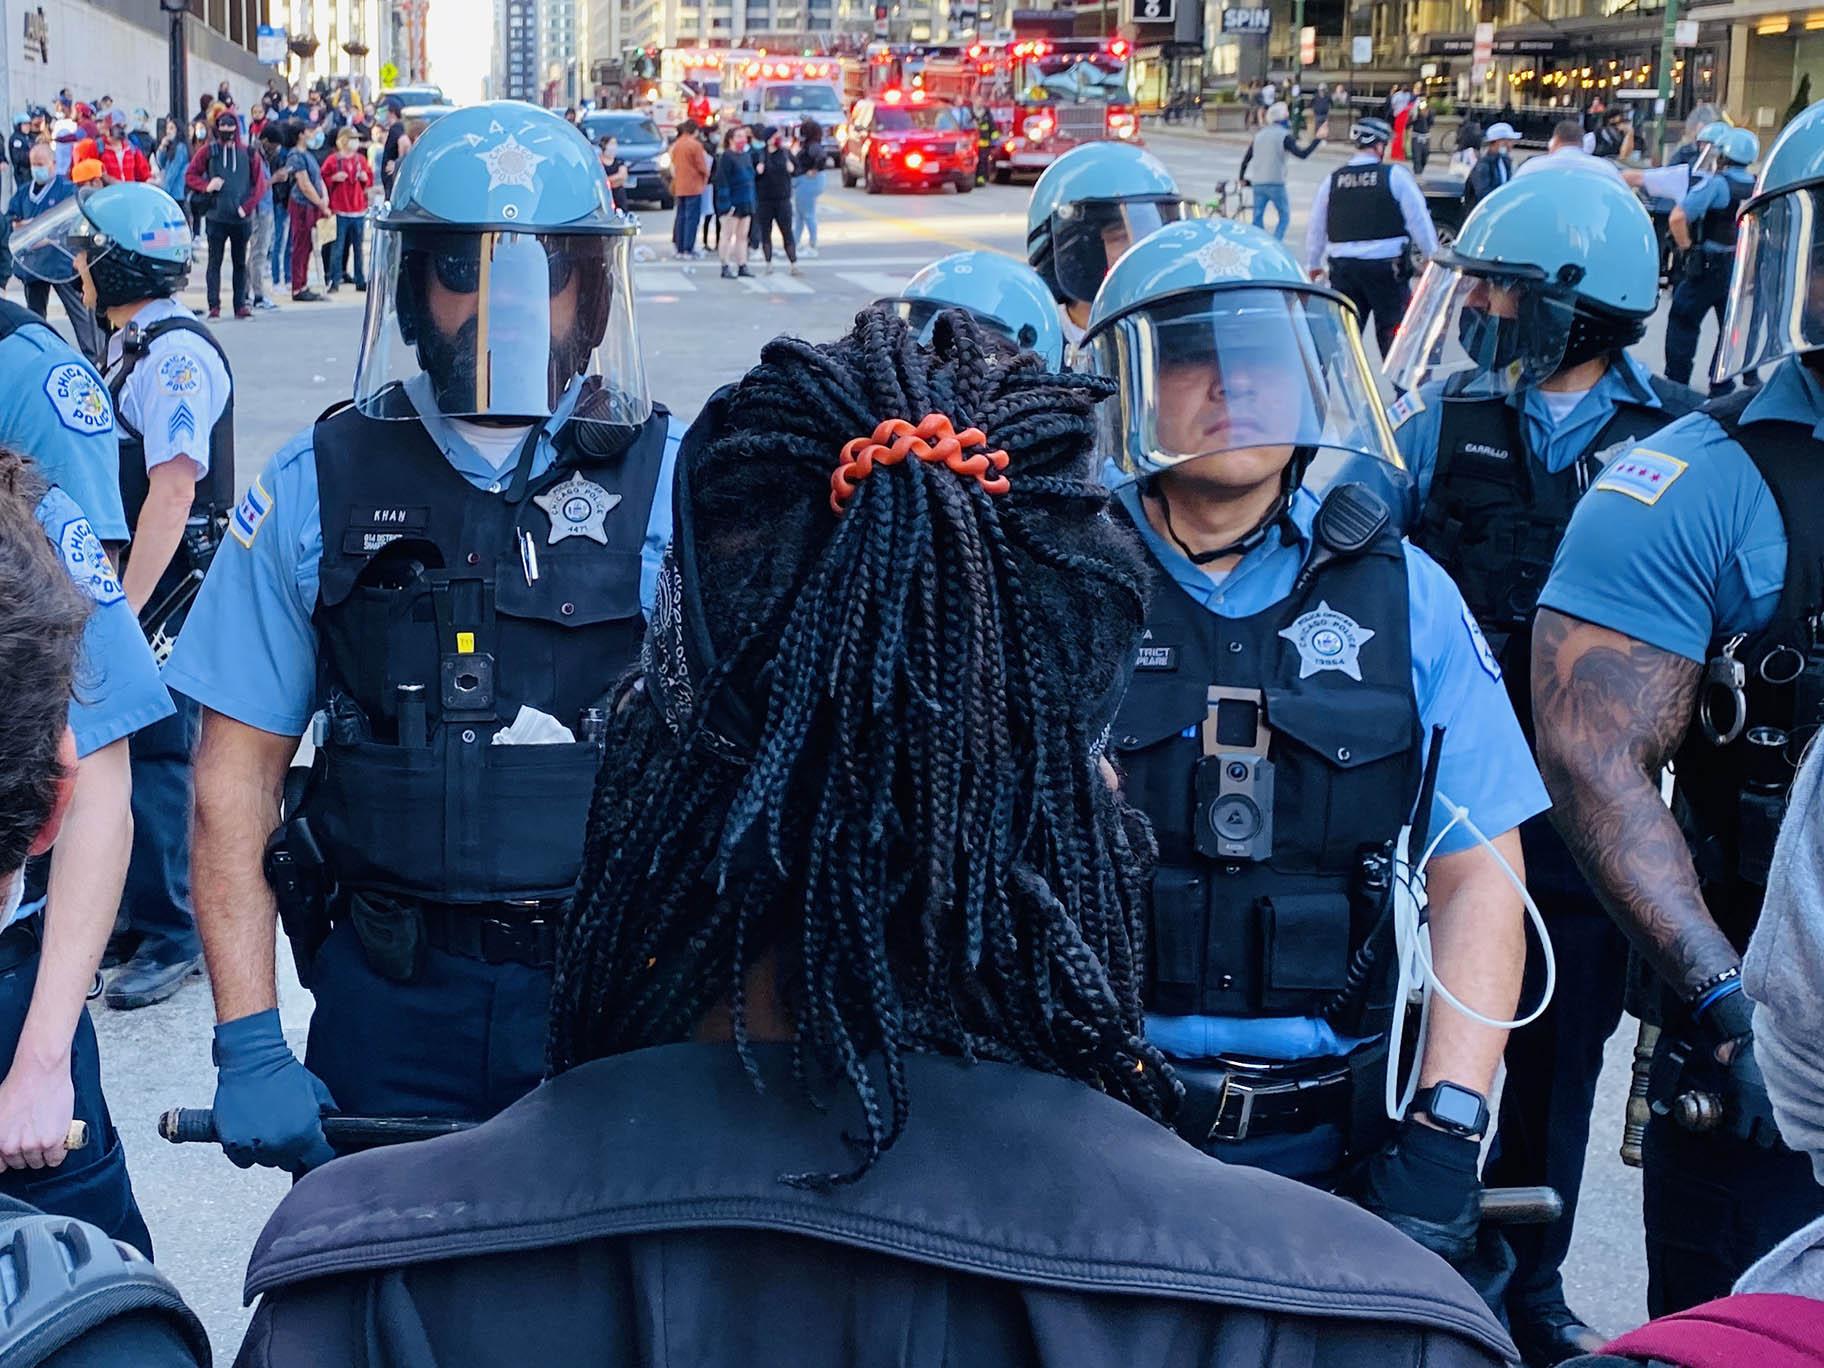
[1726, 675]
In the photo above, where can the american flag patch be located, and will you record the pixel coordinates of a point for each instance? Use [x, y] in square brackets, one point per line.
[1641, 474]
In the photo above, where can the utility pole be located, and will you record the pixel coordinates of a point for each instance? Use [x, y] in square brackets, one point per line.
[1663, 105]
[175, 10]
[1298, 42]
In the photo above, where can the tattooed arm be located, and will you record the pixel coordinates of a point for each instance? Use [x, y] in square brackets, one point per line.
[1609, 711]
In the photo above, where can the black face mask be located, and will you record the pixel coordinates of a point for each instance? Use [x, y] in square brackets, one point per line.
[1493, 343]
[224, 138]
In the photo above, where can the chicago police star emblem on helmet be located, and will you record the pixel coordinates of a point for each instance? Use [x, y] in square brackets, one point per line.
[1220, 257]
[510, 162]
[1328, 640]
[577, 508]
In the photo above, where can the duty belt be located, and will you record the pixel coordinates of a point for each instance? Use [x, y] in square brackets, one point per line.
[496, 933]
[1233, 1100]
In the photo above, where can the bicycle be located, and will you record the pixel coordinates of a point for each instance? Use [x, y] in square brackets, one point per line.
[1234, 200]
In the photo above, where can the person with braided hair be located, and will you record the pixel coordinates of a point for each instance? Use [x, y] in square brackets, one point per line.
[846, 1033]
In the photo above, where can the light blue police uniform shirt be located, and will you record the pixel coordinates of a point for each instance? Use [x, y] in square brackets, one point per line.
[1418, 418]
[117, 685]
[1713, 193]
[1406, 194]
[1486, 766]
[248, 649]
[57, 413]
[1680, 541]
[176, 392]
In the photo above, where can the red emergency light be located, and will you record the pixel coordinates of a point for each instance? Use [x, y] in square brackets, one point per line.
[893, 95]
[1118, 48]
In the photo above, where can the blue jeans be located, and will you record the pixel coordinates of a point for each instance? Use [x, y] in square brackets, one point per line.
[805, 191]
[1273, 193]
[280, 265]
[157, 893]
[92, 1184]
[350, 229]
[686, 218]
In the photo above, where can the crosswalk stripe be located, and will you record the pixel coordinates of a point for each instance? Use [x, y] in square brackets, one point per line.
[877, 283]
[775, 284]
[665, 282]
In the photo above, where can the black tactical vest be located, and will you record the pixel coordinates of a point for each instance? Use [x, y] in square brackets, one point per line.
[429, 581]
[1362, 207]
[1274, 936]
[215, 491]
[1494, 515]
[1730, 798]
[1719, 225]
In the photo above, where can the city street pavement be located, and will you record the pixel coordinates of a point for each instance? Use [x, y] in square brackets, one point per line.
[699, 332]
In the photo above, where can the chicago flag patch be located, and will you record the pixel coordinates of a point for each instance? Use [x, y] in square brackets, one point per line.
[1641, 474]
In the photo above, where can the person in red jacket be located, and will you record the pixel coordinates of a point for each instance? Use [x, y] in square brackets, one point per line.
[231, 179]
[120, 160]
[348, 175]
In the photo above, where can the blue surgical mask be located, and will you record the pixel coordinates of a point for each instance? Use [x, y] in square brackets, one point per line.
[41, 175]
[316, 140]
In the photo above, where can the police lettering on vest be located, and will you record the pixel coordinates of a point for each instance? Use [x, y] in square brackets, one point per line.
[1362, 207]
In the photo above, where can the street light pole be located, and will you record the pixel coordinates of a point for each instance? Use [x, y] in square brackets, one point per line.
[1298, 43]
[1668, 39]
[175, 10]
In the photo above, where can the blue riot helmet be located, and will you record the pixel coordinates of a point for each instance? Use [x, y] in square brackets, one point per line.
[500, 279]
[1086, 209]
[1003, 295]
[132, 240]
[1548, 271]
[1737, 147]
[1220, 344]
[1776, 296]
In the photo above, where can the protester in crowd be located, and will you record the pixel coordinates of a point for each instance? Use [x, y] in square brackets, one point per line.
[309, 203]
[1266, 157]
[259, 241]
[120, 159]
[807, 185]
[395, 144]
[712, 220]
[614, 168]
[1418, 131]
[735, 200]
[231, 176]
[1493, 168]
[1566, 149]
[1320, 111]
[42, 191]
[690, 168]
[348, 175]
[277, 265]
[172, 159]
[773, 199]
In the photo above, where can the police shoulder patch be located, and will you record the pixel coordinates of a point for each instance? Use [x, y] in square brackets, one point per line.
[1484, 653]
[78, 398]
[87, 562]
[244, 522]
[1641, 474]
[179, 373]
[1407, 405]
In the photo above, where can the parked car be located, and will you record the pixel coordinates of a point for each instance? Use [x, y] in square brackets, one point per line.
[642, 147]
[908, 141]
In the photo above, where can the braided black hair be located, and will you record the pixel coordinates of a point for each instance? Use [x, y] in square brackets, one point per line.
[922, 839]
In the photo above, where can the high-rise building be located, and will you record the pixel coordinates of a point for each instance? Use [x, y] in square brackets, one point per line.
[403, 31]
[330, 40]
[558, 53]
[516, 51]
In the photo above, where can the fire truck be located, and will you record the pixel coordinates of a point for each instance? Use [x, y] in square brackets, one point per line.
[1046, 94]
[690, 84]
[759, 90]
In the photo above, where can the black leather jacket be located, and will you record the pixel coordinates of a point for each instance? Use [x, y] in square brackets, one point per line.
[631, 1212]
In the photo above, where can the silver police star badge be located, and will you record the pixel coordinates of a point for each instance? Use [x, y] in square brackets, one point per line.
[1327, 640]
[577, 508]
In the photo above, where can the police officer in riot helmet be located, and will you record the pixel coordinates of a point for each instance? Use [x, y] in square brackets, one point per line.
[1368, 216]
[1705, 226]
[1679, 624]
[1518, 386]
[1007, 298]
[172, 391]
[1296, 658]
[1085, 210]
[447, 574]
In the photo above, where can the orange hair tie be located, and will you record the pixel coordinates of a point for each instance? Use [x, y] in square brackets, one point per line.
[934, 440]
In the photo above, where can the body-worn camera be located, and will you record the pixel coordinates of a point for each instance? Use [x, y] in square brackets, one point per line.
[1234, 779]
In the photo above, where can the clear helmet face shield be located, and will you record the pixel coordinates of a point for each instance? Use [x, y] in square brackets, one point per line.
[46, 248]
[1259, 374]
[502, 325]
[1776, 297]
[1089, 236]
[1499, 329]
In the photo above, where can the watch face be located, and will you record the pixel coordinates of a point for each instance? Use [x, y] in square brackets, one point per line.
[1458, 1108]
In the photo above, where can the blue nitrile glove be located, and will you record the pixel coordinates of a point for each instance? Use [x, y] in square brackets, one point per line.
[268, 1107]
